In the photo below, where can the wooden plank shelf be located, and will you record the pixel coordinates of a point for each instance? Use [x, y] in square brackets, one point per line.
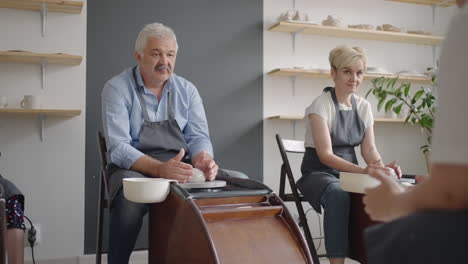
[41, 113]
[286, 117]
[48, 112]
[310, 29]
[426, 2]
[298, 118]
[288, 72]
[74, 7]
[36, 58]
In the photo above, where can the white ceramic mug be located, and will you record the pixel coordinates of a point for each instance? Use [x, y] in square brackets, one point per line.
[31, 102]
[3, 102]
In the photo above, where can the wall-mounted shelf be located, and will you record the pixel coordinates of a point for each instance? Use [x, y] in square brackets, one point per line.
[44, 6]
[35, 58]
[42, 113]
[288, 72]
[74, 7]
[51, 112]
[286, 117]
[310, 29]
[298, 118]
[39, 58]
[389, 120]
[440, 3]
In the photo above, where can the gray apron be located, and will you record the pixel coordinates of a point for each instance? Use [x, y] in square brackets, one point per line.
[347, 132]
[161, 140]
[9, 190]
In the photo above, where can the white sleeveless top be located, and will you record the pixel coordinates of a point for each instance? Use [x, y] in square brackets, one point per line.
[324, 107]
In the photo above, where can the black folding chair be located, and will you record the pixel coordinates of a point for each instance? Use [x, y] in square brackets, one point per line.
[294, 146]
[103, 199]
[2, 226]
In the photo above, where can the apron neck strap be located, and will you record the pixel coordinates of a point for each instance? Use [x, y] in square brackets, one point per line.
[335, 99]
[140, 88]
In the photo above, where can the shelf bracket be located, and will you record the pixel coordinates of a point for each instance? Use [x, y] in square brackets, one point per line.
[294, 128]
[42, 120]
[293, 84]
[43, 17]
[43, 72]
[293, 39]
[434, 56]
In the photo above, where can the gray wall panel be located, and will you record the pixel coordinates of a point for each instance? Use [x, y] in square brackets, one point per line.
[220, 51]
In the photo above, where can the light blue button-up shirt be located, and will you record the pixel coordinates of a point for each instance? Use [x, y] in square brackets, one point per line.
[122, 115]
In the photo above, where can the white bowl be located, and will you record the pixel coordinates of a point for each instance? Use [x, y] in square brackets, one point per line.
[146, 190]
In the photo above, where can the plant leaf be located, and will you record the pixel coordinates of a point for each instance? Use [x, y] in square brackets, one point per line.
[417, 95]
[407, 88]
[389, 104]
[397, 109]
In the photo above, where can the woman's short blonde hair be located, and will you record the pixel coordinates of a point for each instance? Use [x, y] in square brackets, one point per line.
[344, 56]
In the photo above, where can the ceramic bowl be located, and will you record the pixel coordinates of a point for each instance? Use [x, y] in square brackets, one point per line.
[146, 190]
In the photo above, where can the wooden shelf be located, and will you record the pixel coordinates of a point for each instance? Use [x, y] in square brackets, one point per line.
[310, 29]
[288, 72]
[52, 5]
[35, 58]
[41, 113]
[286, 117]
[47, 112]
[426, 2]
[298, 117]
[388, 120]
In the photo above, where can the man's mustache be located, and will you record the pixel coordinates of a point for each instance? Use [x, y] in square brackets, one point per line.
[163, 67]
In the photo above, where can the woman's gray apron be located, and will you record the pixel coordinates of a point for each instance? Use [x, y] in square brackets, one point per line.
[161, 140]
[347, 132]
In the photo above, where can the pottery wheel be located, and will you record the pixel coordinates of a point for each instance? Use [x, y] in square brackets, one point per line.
[203, 185]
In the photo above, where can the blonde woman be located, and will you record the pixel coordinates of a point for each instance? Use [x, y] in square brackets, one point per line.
[336, 122]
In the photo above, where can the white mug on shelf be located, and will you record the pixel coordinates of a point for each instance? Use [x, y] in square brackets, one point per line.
[31, 102]
[3, 102]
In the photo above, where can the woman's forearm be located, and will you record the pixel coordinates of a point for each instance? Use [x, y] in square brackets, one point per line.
[372, 157]
[333, 161]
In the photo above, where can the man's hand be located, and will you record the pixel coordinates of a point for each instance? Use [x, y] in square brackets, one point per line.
[382, 202]
[393, 165]
[176, 169]
[205, 163]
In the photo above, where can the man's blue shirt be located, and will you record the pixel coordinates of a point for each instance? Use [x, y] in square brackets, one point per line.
[122, 115]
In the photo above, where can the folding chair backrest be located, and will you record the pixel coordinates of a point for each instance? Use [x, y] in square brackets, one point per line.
[103, 196]
[103, 156]
[288, 146]
[294, 146]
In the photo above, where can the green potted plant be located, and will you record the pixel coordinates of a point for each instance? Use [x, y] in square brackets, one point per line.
[417, 106]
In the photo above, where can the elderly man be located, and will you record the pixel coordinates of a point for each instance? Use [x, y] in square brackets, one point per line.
[428, 223]
[155, 126]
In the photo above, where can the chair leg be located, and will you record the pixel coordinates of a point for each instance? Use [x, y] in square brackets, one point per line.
[100, 220]
[307, 234]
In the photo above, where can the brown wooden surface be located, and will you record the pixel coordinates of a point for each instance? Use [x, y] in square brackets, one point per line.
[177, 233]
[358, 222]
[262, 231]
[232, 213]
[231, 200]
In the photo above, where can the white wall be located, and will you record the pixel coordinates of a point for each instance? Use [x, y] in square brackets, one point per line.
[394, 141]
[50, 173]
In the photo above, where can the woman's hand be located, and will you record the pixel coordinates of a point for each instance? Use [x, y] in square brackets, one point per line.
[382, 202]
